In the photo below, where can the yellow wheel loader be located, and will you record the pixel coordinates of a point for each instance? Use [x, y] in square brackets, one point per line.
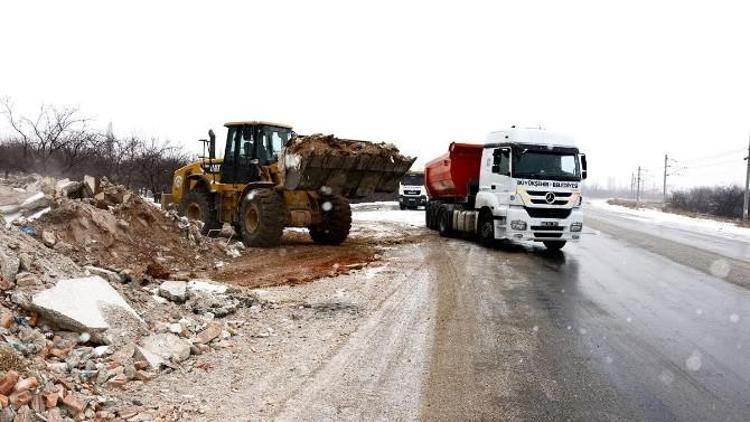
[271, 178]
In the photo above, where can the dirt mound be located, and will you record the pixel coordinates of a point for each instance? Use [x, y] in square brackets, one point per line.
[130, 234]
[318, 142]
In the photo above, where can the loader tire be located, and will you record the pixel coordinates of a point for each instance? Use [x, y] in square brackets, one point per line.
[554, 245]
[337, 220]
[262, 218]
[199, 205]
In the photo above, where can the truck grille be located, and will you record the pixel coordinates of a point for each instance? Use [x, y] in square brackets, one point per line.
[549, 228]
[544, 202]
[547, 234]
[411, 192]
[548, 212]
[542, 193]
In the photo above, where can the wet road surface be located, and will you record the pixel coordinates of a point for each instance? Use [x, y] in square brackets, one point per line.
[633, 323]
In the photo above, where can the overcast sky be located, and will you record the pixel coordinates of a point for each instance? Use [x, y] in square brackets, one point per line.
[629, 81]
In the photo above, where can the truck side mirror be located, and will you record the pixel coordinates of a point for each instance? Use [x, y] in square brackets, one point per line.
[211, 144]
[584, 171]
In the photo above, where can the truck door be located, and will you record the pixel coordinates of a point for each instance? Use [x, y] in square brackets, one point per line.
[495, 173]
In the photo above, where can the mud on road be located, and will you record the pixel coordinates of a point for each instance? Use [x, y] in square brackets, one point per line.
[299, 260]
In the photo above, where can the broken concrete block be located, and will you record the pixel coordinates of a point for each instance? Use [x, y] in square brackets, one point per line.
[166, 346]
[108, 275]
[34, 202]
[91, 185]
[68, 188]
[152, 360]
[206, 286]
[174, 290]
[85, 305]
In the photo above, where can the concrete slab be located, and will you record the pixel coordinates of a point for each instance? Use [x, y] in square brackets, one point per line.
[85, 304]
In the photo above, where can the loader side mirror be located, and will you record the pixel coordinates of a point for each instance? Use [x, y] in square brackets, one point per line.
[211, 144]
[584, 171]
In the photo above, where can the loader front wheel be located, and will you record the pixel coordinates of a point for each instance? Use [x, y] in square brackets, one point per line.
[262, 218]
[337, 220]
[199, 206]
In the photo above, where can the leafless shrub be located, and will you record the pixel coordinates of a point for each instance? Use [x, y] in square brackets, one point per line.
[60, 142]
[721, 201]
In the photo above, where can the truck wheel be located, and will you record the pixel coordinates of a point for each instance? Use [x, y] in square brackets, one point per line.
[486, 229]
[337, 220]
[262, 218]
[199, 206]
[428, 216]
[402, 206]
[445, 218]
[554, 245]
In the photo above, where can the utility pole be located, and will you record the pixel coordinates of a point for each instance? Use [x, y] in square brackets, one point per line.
[638, 189]
[746, 203]
[665, 177]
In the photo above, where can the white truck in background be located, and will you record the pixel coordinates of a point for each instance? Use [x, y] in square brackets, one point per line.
[522, 185]
[411, 191]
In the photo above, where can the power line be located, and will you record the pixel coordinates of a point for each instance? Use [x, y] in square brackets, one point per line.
[710, 157]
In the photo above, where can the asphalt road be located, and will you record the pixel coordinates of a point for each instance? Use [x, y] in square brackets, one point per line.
[636, 322]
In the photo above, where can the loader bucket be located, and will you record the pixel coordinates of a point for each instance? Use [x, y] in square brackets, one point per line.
[351, 168]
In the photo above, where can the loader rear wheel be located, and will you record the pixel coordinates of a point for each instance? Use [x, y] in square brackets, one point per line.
[199, 206]
[337, 220]
[262, 218]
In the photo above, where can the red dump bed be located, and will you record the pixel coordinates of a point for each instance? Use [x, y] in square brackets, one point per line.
[448, 176]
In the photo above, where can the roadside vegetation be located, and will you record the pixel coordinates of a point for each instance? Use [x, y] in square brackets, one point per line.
[62, 142]
[723, 202]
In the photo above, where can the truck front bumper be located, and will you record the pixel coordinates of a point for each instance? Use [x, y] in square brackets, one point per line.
[519, 225]
[412, 201]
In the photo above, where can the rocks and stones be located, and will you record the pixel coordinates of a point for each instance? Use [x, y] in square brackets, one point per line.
[48, 238]
[211, 332]
[166, 346]
[108, 275]
[174, 290]
[69, 188]
[91, 185]
[84, 305]
[9, 267]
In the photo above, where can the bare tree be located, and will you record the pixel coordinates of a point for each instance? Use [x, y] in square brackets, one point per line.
[54, 133]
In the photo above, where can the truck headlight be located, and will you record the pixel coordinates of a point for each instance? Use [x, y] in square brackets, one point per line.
[518, 225]
[576, 227]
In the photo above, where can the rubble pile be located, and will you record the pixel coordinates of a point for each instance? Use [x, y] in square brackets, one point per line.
[98, 294]
[116, 229]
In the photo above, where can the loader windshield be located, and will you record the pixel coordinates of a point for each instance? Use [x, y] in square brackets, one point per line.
[546, 165]
[274, 139]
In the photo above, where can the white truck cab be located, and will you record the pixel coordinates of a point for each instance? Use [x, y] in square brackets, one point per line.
[411, 191]
[530, 180]
[527, 187]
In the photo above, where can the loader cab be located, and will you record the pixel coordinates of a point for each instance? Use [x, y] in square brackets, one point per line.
[249, 146]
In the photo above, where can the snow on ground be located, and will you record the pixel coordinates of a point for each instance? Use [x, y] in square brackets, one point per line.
[386, 212]
[676, 221]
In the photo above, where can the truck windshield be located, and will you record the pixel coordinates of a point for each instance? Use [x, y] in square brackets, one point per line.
[413, 180]
[546, 165]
